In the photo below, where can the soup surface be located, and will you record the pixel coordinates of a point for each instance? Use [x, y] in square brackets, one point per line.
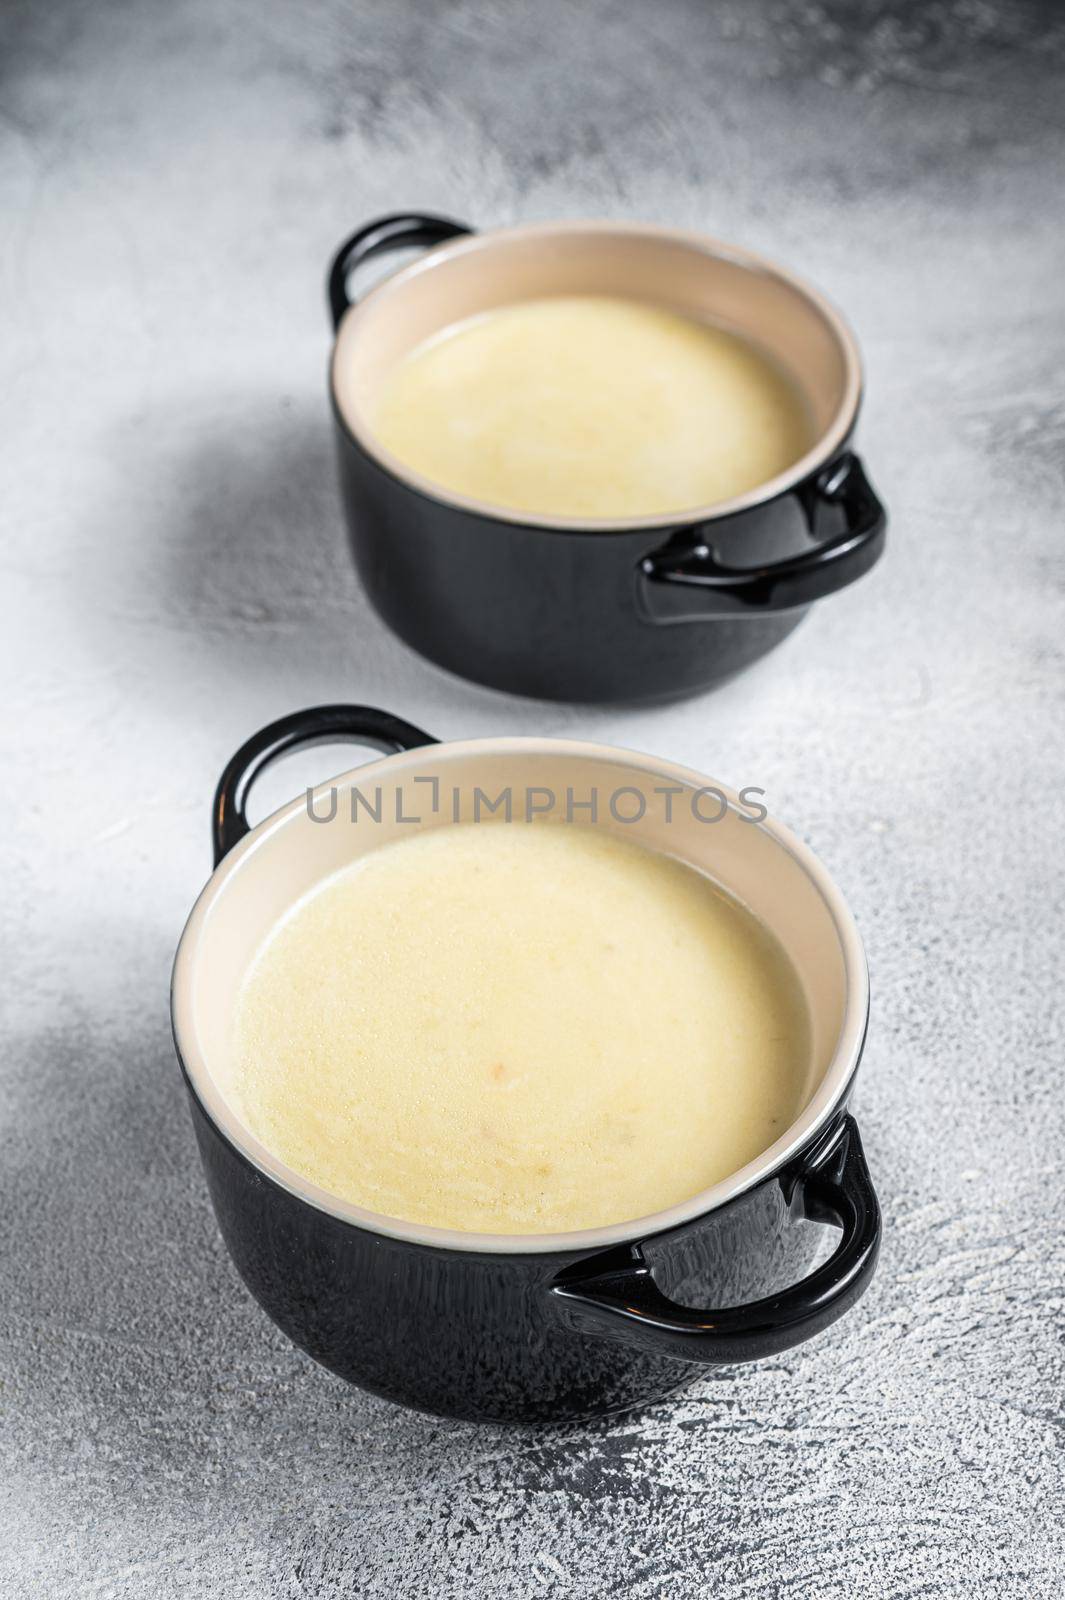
[515, 1029]
[592, 406]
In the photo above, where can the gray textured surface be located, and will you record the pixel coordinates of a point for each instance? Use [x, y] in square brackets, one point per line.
[172, 181]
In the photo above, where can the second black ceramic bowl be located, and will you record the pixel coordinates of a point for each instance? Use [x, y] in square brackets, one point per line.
[528, 1327]
[564, 608]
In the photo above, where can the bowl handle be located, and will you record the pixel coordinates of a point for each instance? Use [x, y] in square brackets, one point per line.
[317, 725]
[685, 581]
[387, 233]
[614, 1292]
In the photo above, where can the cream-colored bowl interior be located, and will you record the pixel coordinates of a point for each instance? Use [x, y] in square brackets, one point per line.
[285, 856]
[686, 273]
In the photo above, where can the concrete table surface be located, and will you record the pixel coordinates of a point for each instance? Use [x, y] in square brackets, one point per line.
[173, 179]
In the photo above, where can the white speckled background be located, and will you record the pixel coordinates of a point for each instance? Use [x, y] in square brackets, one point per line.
[173, 178]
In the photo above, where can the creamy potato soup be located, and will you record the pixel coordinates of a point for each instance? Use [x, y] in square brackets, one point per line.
[592, 406]
[519, 1029]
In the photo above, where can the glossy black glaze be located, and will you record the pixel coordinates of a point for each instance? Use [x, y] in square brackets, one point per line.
[400, 232]
[365, 725]
[488, 1337]
[688, 579]
[829, 1184]
[603, 616]
[530, 1336]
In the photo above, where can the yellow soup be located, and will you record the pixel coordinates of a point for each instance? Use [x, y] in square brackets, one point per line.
[518, 1029]
[592, 406]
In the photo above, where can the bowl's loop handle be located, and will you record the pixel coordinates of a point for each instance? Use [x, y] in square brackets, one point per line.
[614, 1293]
[317, 725]
[400, 232]
[685, 580]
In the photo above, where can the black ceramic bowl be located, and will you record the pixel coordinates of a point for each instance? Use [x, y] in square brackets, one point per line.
[562, 607]
[528, 1327]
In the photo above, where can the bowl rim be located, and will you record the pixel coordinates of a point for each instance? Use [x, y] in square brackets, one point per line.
[827, 1099]
[824, 449]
